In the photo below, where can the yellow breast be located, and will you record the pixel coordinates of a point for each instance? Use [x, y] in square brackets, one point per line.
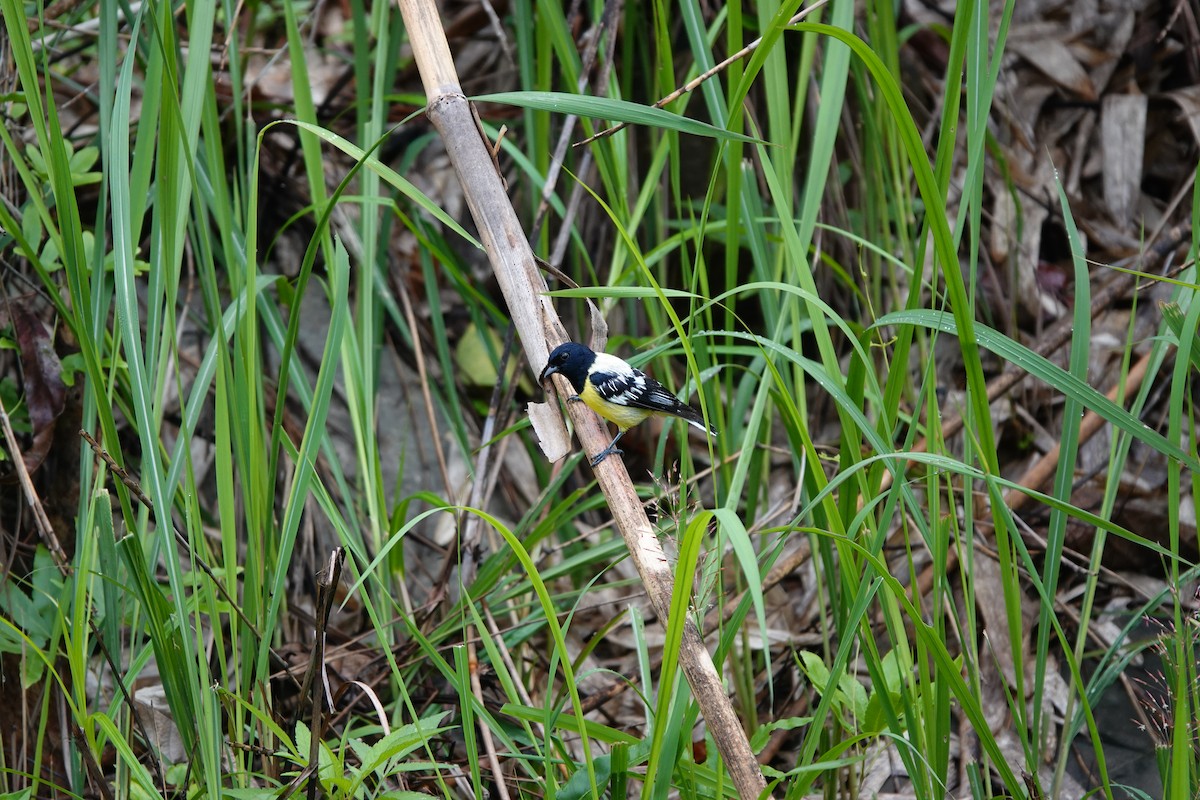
[624, 417]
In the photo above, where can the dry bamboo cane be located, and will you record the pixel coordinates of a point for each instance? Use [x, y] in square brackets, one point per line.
[540, 329]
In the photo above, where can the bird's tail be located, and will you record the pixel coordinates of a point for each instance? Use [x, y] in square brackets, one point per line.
[694, 418]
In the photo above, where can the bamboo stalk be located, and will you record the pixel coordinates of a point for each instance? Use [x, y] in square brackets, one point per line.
[539, 329]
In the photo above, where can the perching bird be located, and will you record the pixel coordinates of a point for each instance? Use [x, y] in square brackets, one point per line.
[616, 391]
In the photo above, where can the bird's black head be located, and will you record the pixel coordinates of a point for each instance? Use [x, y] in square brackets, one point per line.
[572, 361]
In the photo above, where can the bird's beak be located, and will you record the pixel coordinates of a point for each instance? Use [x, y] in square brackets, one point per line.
[546, 373]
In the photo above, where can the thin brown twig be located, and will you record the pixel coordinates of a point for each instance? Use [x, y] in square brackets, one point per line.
[134, 717]
[411, 318]
[564, 138]
[485, 730]
[707, 74]
[41, 520]
[95, 774]
[327, 583]
[1037, 475]
[470, 525]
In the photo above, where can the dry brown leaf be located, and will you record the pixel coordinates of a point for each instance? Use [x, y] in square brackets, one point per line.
[881, 765]
[989, 597]
[1111, 38]
[1188, 100]
[1122, 142]
[45, 392]
[1056, 61]
[150, 702]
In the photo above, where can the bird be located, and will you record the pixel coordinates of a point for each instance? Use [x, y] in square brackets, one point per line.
[618, 392]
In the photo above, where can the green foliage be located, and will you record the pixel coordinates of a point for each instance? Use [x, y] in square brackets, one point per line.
[373, 762]
[235, 272]
[30, 621]
[18, 414]
[856, 706]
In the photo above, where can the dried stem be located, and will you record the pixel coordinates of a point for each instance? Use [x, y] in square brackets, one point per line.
[539, 329]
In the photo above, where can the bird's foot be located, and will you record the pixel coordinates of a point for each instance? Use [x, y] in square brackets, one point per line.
[605, 453]
[574, 399]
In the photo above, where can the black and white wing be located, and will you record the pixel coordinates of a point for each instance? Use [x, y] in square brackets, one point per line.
[619, 383]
